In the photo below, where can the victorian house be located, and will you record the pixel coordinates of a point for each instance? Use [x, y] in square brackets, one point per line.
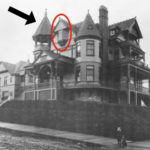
[12, 80]
[103, 63]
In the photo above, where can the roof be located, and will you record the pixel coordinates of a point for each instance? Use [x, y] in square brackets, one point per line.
[20, 67]
[76, 27]
[126, 25]
[15, 68]
[43, 29]
[54, 56]
[88, 28]
[60, 57]
[10, 67]
[63, 21]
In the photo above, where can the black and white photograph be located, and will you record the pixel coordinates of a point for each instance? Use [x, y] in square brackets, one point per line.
[75, 75]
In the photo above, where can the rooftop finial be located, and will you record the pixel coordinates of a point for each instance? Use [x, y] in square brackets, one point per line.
[88, 11]
[46, 12]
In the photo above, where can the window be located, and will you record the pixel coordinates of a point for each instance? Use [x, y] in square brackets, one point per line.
[59, 35]
[100, 77]
[78, 70]
[90, 73]
[5, 95]
[90, 48]
[5, 80]
[62, 35]
[22, 78]
[112, 32]
[10, 79]
[30, 79]
[90, 27]
[78, 51]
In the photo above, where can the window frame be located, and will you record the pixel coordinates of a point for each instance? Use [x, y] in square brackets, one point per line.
[112, 32]
[79, 76]
[90, 42]
[11, 79]
[93, 75]
[78, 52]
[5, 80]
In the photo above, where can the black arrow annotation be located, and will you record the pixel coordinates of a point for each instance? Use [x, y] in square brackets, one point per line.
[30, 18]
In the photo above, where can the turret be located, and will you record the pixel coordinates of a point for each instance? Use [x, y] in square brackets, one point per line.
[42, 36]
[87, 55]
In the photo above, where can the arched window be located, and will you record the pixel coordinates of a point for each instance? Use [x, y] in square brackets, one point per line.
[45, 73]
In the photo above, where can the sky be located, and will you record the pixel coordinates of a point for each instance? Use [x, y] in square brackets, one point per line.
[16, 39]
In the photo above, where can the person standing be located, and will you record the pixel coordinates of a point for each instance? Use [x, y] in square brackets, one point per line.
[123, 141]
[119, 135]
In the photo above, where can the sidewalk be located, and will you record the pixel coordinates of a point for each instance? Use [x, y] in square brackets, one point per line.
[77, 137]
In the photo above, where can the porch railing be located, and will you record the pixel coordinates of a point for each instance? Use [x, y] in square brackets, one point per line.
[140, 89]
[134, 62]
[88, 84]
[49, 84]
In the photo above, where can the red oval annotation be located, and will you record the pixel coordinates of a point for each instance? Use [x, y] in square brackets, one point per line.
[61, 50]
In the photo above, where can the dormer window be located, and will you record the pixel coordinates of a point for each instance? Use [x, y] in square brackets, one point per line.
[112, 32]
[62, 36]
[90, 27]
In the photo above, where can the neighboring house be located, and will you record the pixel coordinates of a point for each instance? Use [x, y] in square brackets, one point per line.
[103, 63]
[12, 80]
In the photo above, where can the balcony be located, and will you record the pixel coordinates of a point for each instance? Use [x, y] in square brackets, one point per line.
[137, 63]
[139, 89]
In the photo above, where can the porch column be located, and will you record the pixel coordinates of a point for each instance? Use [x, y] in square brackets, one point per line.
[128, 84]
[135, 97]
[136, 86]
[149, 86]
[34, 82]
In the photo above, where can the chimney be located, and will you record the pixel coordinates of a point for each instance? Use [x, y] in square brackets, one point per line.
[103, 26]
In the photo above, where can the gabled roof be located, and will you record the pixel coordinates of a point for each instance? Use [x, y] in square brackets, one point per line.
[124, 25]
[63, 21]
[88, 29]
[127, 25]
[14, 68]
[43, 29]
[54, 56]
[9, 67]
[60, 57]
[20, 67]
